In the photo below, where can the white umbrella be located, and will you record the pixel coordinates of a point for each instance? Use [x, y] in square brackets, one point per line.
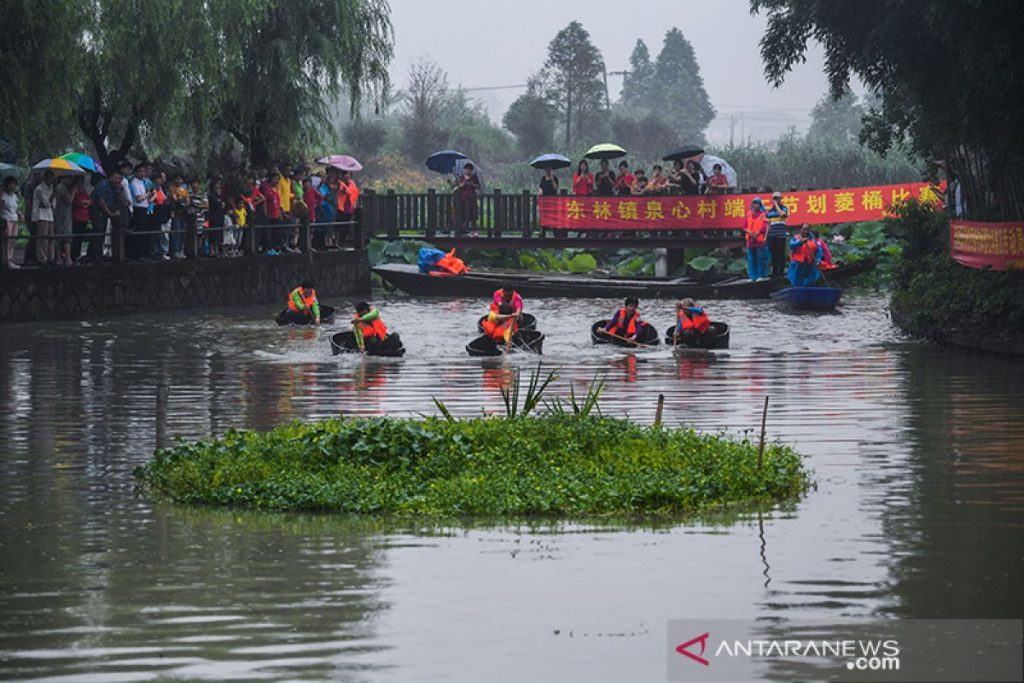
[709, 160]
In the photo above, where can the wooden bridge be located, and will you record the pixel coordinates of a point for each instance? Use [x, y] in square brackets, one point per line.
[509, 220]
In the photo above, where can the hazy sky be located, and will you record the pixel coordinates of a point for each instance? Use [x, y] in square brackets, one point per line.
[481, 43]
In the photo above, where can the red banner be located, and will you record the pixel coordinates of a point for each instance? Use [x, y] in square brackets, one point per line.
[999, 246]
[723, 211]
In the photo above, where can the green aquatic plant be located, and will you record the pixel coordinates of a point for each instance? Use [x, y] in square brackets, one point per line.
[552, 464]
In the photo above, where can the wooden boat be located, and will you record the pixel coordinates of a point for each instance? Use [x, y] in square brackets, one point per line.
[717, 337]
[345, 342]
[526, 322]
[808, 298]
[483, 283]
[326, 317]
[647, 335]
[523, 340]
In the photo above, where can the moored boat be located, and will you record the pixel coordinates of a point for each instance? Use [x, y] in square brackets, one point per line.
[537, 285]
[808, 298]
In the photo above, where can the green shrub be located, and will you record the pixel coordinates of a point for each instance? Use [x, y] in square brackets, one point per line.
[559, 463]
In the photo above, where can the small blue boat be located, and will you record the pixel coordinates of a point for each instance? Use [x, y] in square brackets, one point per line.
[808, 298]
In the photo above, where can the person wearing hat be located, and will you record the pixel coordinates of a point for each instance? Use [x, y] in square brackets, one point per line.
[778, 234]
[755, 227]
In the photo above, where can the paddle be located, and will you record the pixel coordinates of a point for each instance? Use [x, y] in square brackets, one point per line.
[822, 271]
[628, 341]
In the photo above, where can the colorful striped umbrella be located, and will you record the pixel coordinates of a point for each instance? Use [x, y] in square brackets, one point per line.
[59, 167]
[85, 161]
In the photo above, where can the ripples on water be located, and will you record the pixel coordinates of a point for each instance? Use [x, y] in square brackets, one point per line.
[916, 452]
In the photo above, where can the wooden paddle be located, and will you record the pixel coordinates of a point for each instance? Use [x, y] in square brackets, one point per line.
[628, 341]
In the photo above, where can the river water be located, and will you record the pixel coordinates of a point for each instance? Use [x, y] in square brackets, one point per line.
[917, 453]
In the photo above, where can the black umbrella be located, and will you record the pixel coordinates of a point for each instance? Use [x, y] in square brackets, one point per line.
[683, 152]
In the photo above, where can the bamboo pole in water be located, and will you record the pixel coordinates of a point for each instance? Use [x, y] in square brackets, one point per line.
[760, 445]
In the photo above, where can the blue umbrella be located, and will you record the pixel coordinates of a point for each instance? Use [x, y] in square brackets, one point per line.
[551, 161]
[444, 161]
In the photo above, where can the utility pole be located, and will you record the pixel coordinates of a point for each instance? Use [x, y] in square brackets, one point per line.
[732, 128]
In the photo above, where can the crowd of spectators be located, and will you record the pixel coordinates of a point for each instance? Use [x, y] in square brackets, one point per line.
[685, 178]
[70, 219]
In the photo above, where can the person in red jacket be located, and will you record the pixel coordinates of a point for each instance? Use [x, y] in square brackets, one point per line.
[583, 180]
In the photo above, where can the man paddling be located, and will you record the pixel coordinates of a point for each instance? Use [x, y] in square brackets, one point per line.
[369, 330]
[804, 256]
[626, 323]
[691, 321]
[303, 304]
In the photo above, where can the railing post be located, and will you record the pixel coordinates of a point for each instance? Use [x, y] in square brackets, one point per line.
[528, 213]
[4, 265]
[392, 214]
[305, 242]
[191, 239]
[371, 214]
[432, 212]
[117, 230]
[358, 242]
[249, 240]
[499, 213]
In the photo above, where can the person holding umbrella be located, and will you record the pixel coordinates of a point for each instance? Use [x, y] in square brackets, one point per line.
[42, 211]
[468, 185]
[548, 163]
[548, 183]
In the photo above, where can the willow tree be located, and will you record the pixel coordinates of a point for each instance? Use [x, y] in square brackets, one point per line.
[292, 59]
[950, 74]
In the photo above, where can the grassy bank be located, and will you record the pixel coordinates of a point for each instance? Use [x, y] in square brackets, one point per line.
[936, 297]
[562, 462]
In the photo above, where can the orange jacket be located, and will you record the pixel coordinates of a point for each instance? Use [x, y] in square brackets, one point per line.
[623, 321]
[756, 229]
[805, 252]
[308, 301]
[451, 264]
[698, 322]
[376, 328]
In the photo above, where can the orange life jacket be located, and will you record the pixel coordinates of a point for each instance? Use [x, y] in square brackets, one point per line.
[307, 301]
[451, 264]
[756, 229]
[375, 328]
[699, 322]
[629, 326]
[805, 252]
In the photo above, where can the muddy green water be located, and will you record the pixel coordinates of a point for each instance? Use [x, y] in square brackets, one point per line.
[918, 454]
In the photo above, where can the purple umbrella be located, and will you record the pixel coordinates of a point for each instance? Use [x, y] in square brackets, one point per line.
[341, 161]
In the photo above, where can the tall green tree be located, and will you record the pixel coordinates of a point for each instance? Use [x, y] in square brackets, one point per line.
[422, 110]
[577, 90]
[292, 60]
[950, 73]
[677, 92]
[636, 85]
[531, 118]
[41, 72]
[836, 120]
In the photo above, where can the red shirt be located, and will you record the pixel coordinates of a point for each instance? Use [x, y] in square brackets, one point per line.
[312, 199]
[80, 204]
[582, 184]
[273, 203]
[718, 183]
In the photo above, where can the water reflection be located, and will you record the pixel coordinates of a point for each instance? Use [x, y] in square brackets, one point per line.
[916, 454]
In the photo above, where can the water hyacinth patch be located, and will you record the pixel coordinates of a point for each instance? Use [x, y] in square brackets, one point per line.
[554, 464]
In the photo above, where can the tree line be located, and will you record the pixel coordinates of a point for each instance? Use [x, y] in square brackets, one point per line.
[128, 77]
